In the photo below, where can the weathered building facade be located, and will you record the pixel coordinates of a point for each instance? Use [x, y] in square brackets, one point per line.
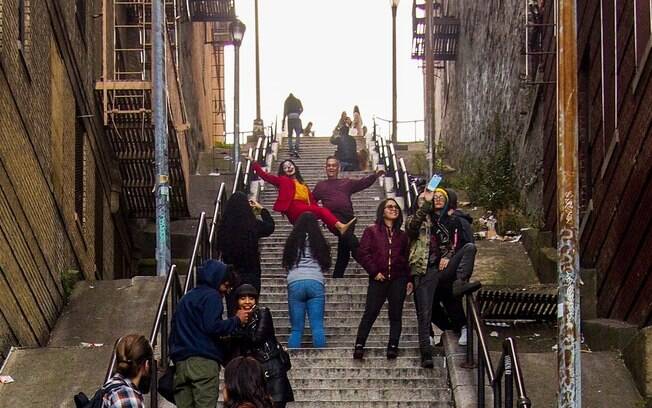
[76, 140]
[494, 92]
[615, 143]
[59, 201]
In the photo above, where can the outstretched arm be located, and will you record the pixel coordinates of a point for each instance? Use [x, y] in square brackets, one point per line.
[276, 180]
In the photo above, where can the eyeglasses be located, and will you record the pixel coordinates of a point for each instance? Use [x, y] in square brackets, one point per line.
[391, 207]
[438, 197]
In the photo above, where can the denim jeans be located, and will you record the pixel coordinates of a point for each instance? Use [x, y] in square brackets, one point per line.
[306, 295]
[294, 125]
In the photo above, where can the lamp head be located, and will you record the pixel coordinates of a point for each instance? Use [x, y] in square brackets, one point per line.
[237, 28]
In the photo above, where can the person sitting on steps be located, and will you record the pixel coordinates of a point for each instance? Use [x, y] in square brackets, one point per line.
[295, 198]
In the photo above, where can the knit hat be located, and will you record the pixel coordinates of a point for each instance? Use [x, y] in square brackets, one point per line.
[443, 192]
[246, 290]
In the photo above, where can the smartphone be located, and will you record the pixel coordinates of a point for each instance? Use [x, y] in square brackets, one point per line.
[434, 182]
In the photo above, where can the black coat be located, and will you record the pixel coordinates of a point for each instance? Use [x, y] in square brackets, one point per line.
[258, 340]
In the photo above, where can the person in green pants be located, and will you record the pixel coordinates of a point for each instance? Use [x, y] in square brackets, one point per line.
[196, 326]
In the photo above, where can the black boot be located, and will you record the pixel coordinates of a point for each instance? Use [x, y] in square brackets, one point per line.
[358, 352]
[461, 288]
[392, 351]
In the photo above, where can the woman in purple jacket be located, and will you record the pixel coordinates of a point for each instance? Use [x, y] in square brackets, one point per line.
[383, 253]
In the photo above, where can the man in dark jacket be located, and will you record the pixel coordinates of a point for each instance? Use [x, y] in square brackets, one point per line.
[292, 109]
[194, 341]
[335, 194]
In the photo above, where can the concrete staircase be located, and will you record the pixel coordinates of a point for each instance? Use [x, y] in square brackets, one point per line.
[98, 312]
[330, 377]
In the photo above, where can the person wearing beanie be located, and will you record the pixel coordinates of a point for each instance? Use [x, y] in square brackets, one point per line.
[257, 339]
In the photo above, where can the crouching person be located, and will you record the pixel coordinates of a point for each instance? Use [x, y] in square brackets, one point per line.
[196, 328]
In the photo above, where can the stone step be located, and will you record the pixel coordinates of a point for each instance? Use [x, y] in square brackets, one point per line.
[372, 394]
[281, 305]
[336, 297]
[352, 382]
[345, 353]
[359, 373]
[376, 404]
[376, 338]
[378, 330]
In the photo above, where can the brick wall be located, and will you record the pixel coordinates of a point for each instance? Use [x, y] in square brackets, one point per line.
[42, 86]
[482, 96]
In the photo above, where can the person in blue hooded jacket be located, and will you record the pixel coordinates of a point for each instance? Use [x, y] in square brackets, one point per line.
[197, 326]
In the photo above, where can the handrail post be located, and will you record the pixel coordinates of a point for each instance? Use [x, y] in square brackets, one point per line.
[164, 336]
[192, 268]
[469, 334]
[154, 384]
[509, 381]
[480, 380]
[497, 391]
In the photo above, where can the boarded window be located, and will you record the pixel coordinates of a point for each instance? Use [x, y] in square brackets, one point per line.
[80, 170]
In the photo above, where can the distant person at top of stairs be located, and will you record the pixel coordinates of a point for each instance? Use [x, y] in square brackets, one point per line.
[346, 152]
[292, 109]
[294, 196]
[306, 256]
[383, 253]
[133, 374]
[335, 194]
[237, 239]
[357, 122]
[257, 339]
[244, 385]
[196, 325]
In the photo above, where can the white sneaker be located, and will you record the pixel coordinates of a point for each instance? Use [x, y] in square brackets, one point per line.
[463, 337]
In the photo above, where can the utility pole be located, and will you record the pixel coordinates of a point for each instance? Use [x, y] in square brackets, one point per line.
[429, 86]
[258, 122]
[394, 4]
[568, 301]
[160, 119]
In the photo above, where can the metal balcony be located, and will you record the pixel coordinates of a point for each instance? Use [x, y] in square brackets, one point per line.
[445, 33]
[209, 10]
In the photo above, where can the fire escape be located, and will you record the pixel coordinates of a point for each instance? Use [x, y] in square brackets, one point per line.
[125, 97]
[445, 32]
[217, 15]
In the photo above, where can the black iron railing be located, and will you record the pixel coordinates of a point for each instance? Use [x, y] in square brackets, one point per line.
[508, 365]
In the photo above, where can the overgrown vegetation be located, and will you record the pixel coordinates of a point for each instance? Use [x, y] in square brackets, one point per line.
[68, 280]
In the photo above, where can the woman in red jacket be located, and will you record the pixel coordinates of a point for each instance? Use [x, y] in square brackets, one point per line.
[295, 198]
[383, 253]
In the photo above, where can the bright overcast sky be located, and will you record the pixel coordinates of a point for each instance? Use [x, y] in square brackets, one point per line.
[332, 55]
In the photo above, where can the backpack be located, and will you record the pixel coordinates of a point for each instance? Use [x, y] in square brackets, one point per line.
[82, 401]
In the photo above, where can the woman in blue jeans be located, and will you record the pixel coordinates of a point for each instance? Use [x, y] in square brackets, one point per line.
[306, 257]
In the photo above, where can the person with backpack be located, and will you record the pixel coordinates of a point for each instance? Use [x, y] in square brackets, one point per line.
[132, 377]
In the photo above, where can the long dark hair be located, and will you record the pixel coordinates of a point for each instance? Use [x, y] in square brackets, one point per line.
[379, 214]
[244, 381]
[297, 173]
[236, 234]
[306, 227]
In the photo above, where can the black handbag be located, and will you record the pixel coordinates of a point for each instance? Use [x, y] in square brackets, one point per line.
[166, 384]
[285, 358]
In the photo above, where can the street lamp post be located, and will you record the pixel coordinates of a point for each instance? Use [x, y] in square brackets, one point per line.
[258, 122]
[237, 33]
[394, 7]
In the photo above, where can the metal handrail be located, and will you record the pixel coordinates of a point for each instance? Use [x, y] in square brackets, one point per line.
[508, 365]
[109, 371]
[216, 212]
[236, 181]
[191, 275]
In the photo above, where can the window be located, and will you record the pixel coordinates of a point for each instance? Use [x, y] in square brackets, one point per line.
[80, 170]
